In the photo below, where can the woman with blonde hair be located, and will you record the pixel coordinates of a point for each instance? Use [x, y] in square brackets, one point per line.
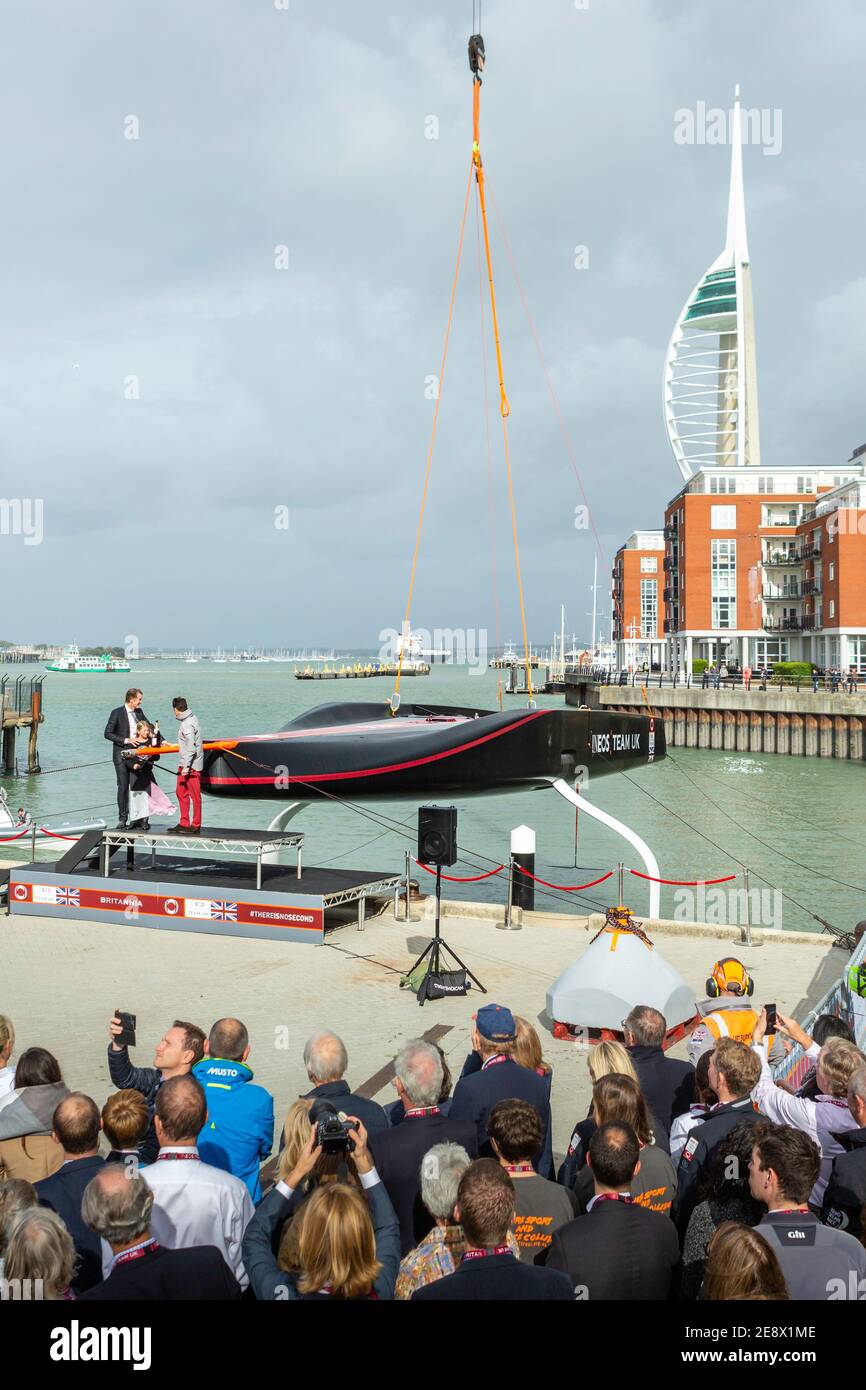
[296, 1133]
[607, 1058]
[349, 1241]
[40, 1251]
[742, 1265]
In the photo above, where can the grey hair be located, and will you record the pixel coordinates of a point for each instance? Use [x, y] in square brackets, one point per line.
[419, 1068]
[442, 1167]
[117, 1205]
[325, 1057]
[16, 1195]
[40, 1249]
[857, 1085]
[647, 1024]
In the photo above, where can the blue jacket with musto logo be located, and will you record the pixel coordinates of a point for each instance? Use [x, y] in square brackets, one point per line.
[238, 1134]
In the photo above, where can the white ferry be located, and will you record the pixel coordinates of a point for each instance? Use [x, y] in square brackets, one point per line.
[73, 662]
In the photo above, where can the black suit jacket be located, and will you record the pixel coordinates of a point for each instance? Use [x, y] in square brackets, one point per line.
[475, 1096]
[62, 1192]
[398, 1154]
[117, 728]
[667, 1083]
[700, 1148]
[197, 1273]
[845, 1196]
[617, 1251]
[497, 1279]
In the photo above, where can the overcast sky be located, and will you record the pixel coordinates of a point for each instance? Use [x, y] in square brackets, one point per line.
[147, 266]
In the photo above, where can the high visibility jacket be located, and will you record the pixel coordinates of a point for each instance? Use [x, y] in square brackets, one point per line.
[736, 1023]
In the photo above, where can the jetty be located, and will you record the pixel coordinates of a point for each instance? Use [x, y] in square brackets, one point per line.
[21, 707]
[781, 719]
[359, 673]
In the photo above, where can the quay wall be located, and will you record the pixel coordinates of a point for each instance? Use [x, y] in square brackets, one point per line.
[791, 722]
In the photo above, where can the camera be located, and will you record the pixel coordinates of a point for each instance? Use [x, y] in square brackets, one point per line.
[332, 1129]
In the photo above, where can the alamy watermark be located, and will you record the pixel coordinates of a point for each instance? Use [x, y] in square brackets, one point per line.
[713, 125]
[759, 907]
[22, 516]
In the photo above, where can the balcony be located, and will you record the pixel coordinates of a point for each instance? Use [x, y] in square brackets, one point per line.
[670, 595]
[670, 625]
[802, 623]
[671, 533]
[783, 557]
[668, 564]
[810, 551]
[771, 593]
[811, 586]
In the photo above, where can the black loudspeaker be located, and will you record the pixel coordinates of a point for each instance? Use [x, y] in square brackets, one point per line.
[437, 835]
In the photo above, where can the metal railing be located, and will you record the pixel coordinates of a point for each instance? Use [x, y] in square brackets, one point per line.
[16, 696]
[838, 1000]
[732, 681]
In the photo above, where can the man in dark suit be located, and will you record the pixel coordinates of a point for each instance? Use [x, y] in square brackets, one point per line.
[327, 1061]
[617, 1250]
[734, 1072]
[489, 1270]
[117, 1208]
[500, 1077]
[120, 732]
[399, 1152]
[845, 1195]
[76, 1128]
[667, 1083]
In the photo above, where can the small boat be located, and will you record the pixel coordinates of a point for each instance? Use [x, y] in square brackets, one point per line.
[358, 750]
[72, 662]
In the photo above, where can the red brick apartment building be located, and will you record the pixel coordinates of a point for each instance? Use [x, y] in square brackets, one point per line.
[638, 581]
[766, 564]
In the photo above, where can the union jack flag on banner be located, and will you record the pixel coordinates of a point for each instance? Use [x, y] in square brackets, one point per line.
[223, 912]
[68, 897]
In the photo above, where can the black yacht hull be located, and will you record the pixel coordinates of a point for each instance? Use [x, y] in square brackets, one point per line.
[356, 750]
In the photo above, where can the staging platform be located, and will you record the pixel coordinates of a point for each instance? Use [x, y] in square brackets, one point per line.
[181, 886]
[255, 843]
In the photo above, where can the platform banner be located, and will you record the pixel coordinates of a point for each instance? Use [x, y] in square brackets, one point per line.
[216, 912]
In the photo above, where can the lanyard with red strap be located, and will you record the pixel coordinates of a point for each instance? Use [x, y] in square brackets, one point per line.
[482, 1254]
[421, 1110]
[494, 1061]
[138, 1253]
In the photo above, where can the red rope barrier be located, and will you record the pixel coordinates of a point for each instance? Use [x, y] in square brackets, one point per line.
[43, 830]
[564, 887]
[683, 882]
[4, 839]
[452, 879]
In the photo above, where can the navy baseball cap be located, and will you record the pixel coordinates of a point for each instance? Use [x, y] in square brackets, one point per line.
[495, 1023]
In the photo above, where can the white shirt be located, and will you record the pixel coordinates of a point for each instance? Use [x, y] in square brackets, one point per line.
[7, 1080]
[132, 715]
[197, 1204]
[682, 1128]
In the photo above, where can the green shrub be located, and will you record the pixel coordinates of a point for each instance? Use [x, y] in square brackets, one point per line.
[793, 669]
[699, 666]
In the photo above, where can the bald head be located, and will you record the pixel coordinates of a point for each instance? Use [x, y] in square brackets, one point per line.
[117, 1205]
[77, 1123]
[325, 1058]
[229, 1039]
[180, 1110]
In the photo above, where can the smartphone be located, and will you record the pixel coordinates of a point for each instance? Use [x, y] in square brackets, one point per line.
[127, 1021]
[771, 1018]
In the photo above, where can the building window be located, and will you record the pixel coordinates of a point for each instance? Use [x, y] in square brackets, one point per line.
[805, 483]
[831, 569]
[766, 484]
[723, 570]
[723, 484]
[723, 518]
[648, 608]
[648, 564]
[831, 608]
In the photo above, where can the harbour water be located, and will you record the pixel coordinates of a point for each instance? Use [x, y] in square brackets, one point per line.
[797, 823]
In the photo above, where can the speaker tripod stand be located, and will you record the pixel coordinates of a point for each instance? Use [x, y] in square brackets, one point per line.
[435, 948]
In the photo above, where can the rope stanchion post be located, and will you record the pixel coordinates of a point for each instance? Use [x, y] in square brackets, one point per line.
[747, 926]
[509, 924]
[620, 871]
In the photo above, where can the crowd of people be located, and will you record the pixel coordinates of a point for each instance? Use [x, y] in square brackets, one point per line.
[685, 1180]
